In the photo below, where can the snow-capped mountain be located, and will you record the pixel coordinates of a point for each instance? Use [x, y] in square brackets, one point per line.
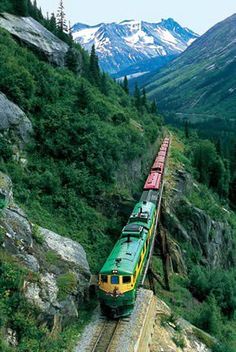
[130, 42]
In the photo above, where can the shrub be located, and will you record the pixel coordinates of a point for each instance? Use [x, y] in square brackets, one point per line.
[37, 235]
[67, 283]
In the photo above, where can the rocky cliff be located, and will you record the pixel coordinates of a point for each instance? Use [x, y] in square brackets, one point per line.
[212, 240]
[59, 264]
[13, 122]
[194, 217]
[37, 37]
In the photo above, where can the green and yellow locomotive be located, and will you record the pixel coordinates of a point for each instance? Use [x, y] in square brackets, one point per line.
[120, 276]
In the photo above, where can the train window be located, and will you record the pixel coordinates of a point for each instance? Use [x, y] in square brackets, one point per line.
[126, 279]
[104, 278]
[115, 280]
[135, 275]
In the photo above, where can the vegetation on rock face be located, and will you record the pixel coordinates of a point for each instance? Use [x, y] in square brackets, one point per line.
[206, 296]
[87, 130]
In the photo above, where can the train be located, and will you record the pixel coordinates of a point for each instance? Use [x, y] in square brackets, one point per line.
[122, 271]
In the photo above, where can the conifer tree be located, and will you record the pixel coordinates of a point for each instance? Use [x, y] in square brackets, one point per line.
[83, 99]
[72, 60]
[61, 18]
[53, 23]
[126, 85]
[137, 97]
[20, 7]
[144, 97]
[186, 128]
[103, 84]
[153, 108]
[94, 67]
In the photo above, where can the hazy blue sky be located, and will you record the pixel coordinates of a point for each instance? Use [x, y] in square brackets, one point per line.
[198, 15]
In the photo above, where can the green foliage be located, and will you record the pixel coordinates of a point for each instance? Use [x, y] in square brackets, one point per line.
[94, 71]
[2, 235]
[72, 60]
[179, 341]
[218, 283]
[5, 149]
[52, 257]
[208, 317]
[17, 313]
[86, 132]
[37, 235]
[126, 85]
[67, 284]
[211, 168]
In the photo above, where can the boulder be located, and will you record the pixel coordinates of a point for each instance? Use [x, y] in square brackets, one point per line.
[6, 195]
[14, 119]
[34, 35]
[68, 250]
[62, 277]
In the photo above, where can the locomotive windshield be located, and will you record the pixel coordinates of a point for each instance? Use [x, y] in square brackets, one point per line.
[115, 280]
[126, 279]
[104, 278]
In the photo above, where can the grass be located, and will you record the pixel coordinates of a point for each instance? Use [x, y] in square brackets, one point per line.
[67, 284]
[37, 235]
[52, 257]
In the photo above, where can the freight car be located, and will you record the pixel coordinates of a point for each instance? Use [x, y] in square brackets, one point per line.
[120, 275]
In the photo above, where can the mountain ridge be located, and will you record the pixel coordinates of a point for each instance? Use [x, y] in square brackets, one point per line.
[202, 79]
[120, 45]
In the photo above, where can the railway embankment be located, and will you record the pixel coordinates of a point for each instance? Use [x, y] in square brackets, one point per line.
[152, 327]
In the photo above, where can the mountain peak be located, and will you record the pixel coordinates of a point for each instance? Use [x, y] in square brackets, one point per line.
[125, 43]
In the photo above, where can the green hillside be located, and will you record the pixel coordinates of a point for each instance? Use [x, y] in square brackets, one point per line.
[201, 83]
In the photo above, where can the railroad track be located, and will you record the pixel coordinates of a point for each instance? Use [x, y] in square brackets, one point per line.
[104, 340]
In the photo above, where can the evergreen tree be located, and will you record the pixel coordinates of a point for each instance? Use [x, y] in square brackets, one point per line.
[104, 84]
[94, 67]
[137, 97]
[53, 23]
[218, 146]
[153, 108]
[20, 7]
[70, 31]
[126, 85]
[144, 97]
[61, 18]
[72, 60]
[186, 128]
[83, 97]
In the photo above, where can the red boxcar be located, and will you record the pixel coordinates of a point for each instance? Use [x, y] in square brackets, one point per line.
[158, 166]
[162, 154]
[164, 147]
[161, 159]
[153, 181]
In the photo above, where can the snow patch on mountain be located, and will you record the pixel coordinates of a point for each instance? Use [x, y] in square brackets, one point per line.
[122, 44]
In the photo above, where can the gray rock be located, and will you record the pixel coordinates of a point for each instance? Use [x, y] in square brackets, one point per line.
[49, 289]
[13, 118]
[19, 228]
[11, 337]
[6, 194]
[49, 255]
[33, 34]
[186, 223]
[30, 261]
[66, 248]
[69, 308]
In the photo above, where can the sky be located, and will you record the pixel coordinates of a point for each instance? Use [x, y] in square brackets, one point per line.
[198, 15]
